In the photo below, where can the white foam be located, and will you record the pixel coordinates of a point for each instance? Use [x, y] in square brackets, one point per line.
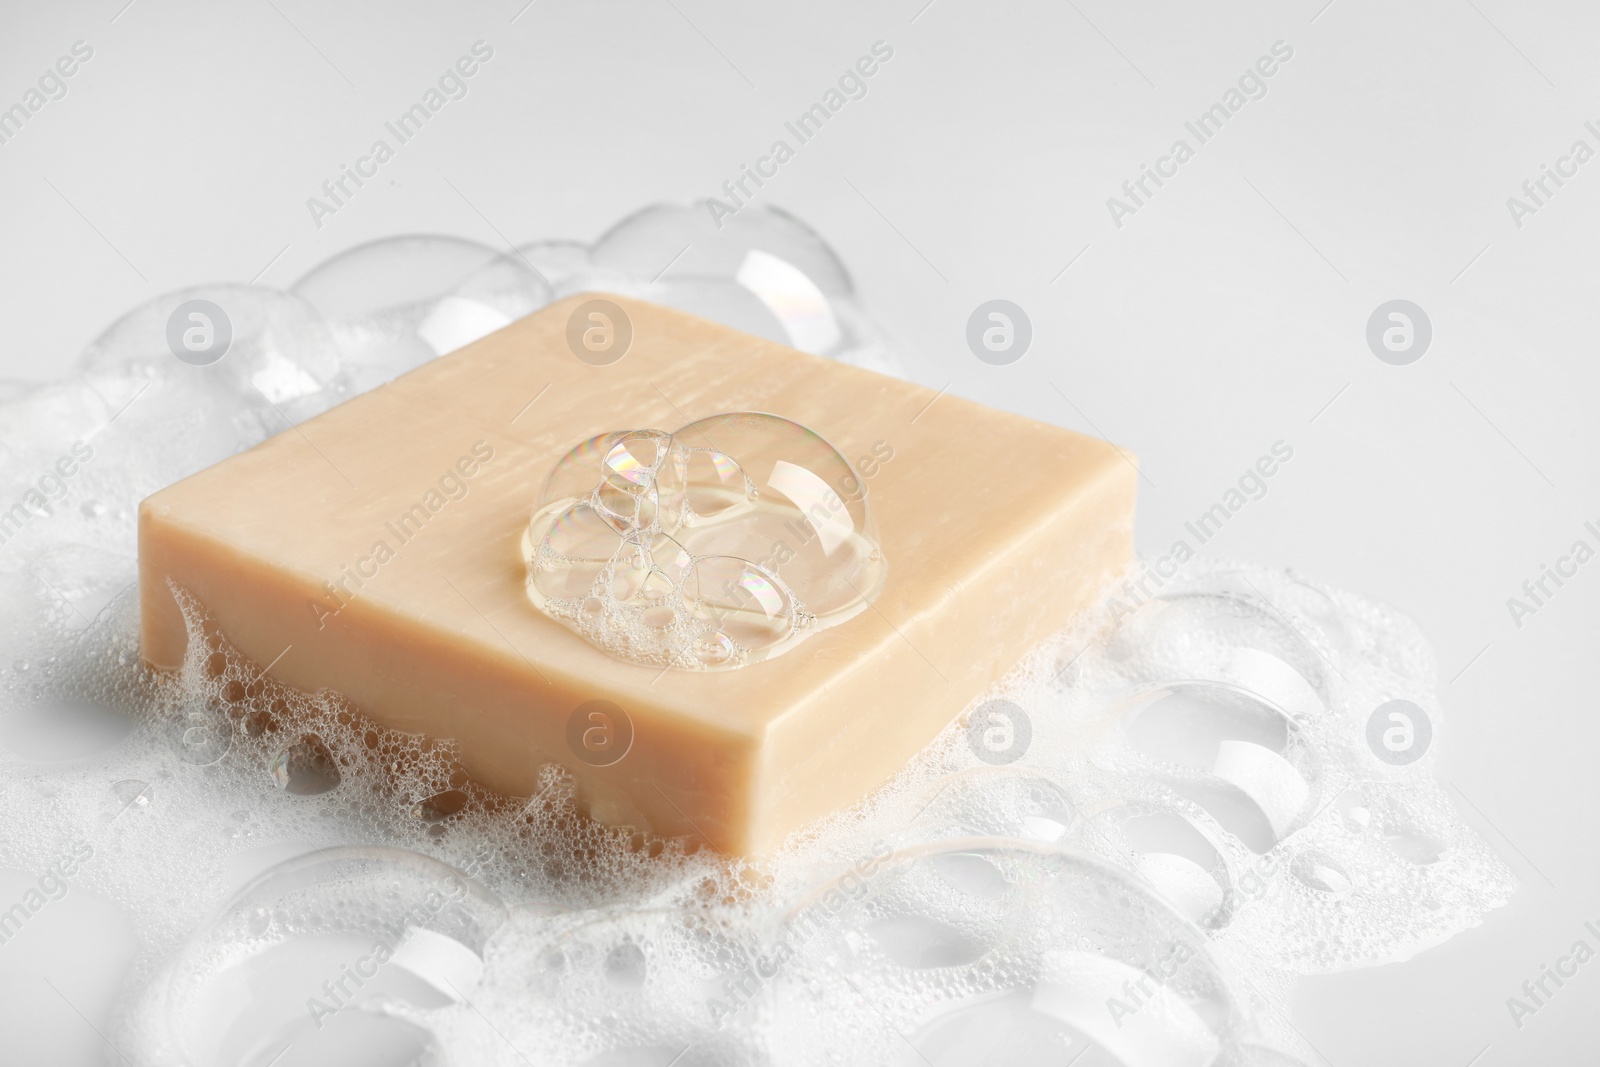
[967, 911]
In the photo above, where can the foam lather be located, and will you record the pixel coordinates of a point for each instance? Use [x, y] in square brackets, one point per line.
[1080, 869]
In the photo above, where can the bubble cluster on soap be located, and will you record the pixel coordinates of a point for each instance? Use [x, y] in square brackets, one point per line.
[723, 544]
[1197, 815]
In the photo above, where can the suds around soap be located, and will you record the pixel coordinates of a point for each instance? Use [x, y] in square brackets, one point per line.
[1141, 839]
[961, 884]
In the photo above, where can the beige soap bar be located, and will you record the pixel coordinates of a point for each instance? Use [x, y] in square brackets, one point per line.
[378, 544]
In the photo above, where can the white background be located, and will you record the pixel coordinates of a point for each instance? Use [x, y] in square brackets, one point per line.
[1227, 314]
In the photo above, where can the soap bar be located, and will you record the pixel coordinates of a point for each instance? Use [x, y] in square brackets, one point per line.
[376, 550]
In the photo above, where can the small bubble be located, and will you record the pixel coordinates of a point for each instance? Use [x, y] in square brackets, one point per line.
[132, 793]
[1321, 871]
[1416, 847]
[1354, 814]
[305, 768]
[440, 806]
[201, 736]
[713, 649]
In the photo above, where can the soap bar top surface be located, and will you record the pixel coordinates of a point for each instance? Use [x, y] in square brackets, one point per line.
[380, 542]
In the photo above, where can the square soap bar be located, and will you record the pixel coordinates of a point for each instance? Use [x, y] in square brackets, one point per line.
[376, 550]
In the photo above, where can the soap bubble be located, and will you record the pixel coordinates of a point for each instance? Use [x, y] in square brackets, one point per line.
[565, 265]
[645, 988]
[199, 332]
[1240, 702]
[1225, 632]
[1013, 802]
[305, 767]
[396, 272]
[755, 481]
[1322, 872]
[761, 271]
[396, 303]
[646, 241]
[1234, 754]
[202, 735]
[1173, 850]
[331, 954]
[719, 545]
[920, 955]
[40, 426]
[280, 353]
[440, 806]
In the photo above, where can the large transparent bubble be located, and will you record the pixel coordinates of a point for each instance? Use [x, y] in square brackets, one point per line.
[761, 271]
[720, 545]
[321, 959]
[994, 950]
[394, 304]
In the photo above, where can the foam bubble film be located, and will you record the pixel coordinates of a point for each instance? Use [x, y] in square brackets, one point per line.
[657, 547]
[1127, 853]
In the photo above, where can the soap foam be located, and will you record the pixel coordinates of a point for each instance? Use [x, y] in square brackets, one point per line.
[1134, 845]
[721, 545]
